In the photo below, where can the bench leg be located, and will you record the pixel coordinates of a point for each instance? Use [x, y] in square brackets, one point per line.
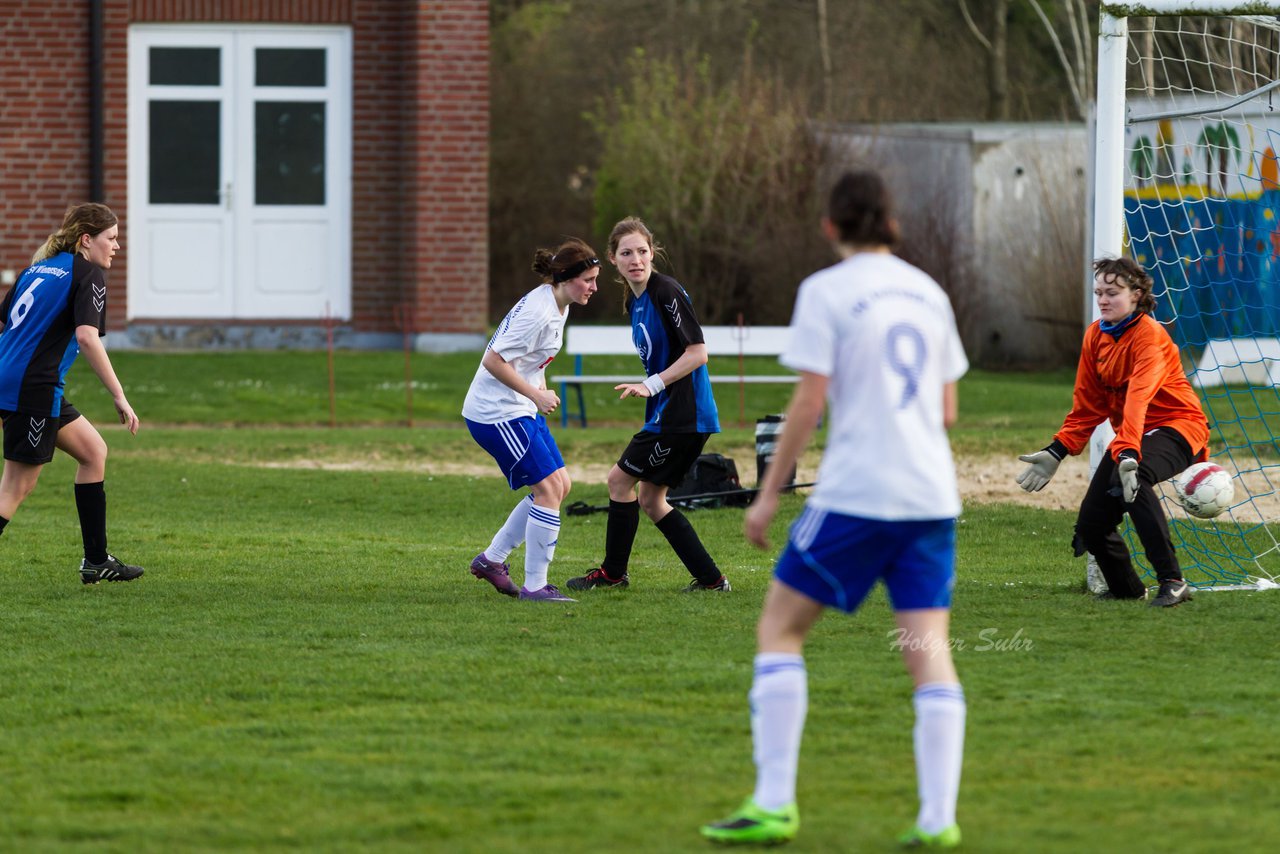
[581, 403]
[564, 405]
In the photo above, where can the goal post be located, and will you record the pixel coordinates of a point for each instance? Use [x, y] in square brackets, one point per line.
[1186, 181]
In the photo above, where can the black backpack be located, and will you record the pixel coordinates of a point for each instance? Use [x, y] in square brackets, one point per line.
[710, 476]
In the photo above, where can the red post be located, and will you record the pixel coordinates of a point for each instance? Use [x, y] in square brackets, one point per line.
[328, 328]
[407, 325]
[742, 384]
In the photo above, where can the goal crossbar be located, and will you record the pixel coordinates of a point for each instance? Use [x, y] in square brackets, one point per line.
[1152, 8]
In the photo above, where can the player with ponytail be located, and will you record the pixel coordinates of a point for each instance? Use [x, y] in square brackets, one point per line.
[875, 343]
[56, 310]
[505, 409]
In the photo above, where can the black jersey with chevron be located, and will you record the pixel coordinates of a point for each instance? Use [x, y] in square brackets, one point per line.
[662, 326]
[38, 343]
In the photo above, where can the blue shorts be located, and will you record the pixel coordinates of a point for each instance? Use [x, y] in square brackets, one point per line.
[524, 448]
[836, 560]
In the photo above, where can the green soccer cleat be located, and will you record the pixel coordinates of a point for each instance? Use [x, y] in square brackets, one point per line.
[948, 837]
[751, 825]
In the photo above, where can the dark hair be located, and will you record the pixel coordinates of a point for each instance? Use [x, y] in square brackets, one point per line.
[625, 226]
[862, 211]
[1130, 274]
[89, 218]
[568, 261]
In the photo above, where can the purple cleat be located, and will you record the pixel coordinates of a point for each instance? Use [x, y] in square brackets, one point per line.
[497, 574]
[547, 594]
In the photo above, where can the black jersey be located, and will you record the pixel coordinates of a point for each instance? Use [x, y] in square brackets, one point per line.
[40, 315]
[663, 325]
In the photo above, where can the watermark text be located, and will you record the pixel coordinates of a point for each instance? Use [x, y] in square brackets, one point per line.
[990, 639]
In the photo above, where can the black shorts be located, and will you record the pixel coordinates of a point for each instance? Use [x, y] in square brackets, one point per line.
[32, 439]
[662, 458]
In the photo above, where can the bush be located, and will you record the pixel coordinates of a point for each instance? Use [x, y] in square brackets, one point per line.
[724, 172]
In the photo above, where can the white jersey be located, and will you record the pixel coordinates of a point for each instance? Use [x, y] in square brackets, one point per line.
[884, 333]
[527, 339]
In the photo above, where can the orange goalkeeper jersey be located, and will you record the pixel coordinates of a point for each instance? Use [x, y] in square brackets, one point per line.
[1137, 383]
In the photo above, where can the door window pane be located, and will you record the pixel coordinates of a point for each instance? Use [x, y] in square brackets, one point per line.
[185, 66]
[279, 66]
[185, 152]
[289, 152]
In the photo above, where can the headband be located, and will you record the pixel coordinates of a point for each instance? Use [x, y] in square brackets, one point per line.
[575, 270]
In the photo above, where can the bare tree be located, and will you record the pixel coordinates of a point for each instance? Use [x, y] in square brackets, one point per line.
[997, 48]
[1077, 66]
[725, 171]
[824, 45]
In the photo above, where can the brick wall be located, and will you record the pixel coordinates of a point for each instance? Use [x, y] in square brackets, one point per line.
[449, 158]
[420, 141]
[44, 138]
[244, 11]
[381, 192]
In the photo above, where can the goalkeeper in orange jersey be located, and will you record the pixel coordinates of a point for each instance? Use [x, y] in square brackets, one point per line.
[1130, 373]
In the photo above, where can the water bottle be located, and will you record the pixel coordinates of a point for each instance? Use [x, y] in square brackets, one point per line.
[768, 429]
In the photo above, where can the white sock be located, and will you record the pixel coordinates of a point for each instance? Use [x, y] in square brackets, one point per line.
[779, 701]
[511, 534]
[541, 534]
[939, 744]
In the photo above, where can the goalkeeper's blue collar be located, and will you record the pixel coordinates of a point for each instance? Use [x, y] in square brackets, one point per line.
[1115, 330]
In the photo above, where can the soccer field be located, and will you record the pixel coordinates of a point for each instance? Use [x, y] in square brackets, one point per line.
[308, 665]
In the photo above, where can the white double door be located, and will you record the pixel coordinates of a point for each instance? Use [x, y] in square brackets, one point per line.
[239, 172]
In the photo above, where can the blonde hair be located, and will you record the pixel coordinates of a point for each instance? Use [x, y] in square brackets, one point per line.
[89, 218]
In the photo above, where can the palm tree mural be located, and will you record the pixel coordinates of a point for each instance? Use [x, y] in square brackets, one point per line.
[1142, 161]
[1164, 153]
[1219, 141]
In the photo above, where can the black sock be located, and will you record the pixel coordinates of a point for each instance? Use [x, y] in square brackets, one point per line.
[684, 541]
[91, 504]
[3, 522]
[619, 534]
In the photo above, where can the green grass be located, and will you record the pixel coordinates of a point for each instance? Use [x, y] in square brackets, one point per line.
[289, 388]
[1245, 417]
[292, 387]
[307, 664]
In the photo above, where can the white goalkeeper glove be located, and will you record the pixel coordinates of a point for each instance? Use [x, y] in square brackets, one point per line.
[1044, 465]
[1128, 470]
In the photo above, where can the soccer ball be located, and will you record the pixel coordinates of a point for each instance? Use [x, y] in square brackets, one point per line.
[1204, 490]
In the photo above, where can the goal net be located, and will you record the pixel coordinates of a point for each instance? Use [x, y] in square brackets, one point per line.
[1201, 212]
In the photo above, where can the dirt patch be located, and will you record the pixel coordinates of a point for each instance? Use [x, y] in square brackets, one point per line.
[591, 473]
[988, 479]
[992, 479]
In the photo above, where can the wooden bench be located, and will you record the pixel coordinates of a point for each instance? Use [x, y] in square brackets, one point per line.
[616, 341]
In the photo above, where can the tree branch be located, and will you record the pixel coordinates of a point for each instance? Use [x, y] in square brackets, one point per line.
[1081, 107]
[973, 28]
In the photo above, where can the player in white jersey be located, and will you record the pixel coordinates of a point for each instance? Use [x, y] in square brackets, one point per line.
[875, 339]
[505, 409]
